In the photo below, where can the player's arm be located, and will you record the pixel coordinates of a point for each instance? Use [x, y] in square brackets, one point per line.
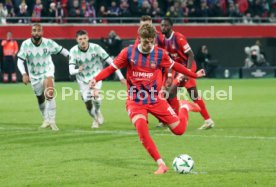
[21, 67]
[58, 49]
[22, 56]
[72, 64]
[191, 58]
[167, 62]
[118, 72]
[182, 69]
[73, 70]
[182, 41]
[119, 62]
[64, 52]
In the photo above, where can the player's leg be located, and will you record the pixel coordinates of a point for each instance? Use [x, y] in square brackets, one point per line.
[87, 98]
[38, 88]
[172, 100]
[138, 116]
[50, 104]
[41, 104]
[97, 101]
[208, 122]
[176, 123]
[91, 111]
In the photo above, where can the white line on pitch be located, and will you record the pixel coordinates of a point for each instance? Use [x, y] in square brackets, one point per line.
[130, 132]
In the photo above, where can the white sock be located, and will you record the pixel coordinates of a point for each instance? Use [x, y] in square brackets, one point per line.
[42, 110]
[160, 161]
[209, 120]
[97, 104]
[50, 109]
[185, 106]
[92, 112]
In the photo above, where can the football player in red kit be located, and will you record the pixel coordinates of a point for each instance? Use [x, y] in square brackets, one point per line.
[159, 41]
[181, 52]
[144, 78]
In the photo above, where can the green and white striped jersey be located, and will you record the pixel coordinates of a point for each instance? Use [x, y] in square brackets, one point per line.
[91, 60]
[38, 58]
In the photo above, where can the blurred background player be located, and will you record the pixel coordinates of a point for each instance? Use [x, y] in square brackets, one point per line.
[144, 64]
[36, 52]
[180, 51]
[10, 49]
[159, 41]
[89, 58]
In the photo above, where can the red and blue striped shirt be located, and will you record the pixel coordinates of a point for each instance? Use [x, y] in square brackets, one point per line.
[144, 72]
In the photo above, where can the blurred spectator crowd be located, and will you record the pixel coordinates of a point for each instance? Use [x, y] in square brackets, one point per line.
[100, 11]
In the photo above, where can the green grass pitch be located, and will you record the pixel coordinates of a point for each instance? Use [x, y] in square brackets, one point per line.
[239, 151]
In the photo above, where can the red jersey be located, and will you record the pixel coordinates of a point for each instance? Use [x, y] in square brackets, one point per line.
[144, 72]
[177, 46]
[159, 40]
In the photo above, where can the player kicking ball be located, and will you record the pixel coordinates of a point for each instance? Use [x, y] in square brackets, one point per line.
[89, 58]
[36, 52]
[144, 65]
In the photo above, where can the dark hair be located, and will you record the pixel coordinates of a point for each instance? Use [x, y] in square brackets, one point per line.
[145, 18]
[168, 20]
[81, 32]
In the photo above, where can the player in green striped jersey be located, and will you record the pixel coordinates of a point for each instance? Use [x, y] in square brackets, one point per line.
[89, 58]
[36, 52]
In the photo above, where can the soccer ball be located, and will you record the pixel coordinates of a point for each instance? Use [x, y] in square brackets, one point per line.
[183, 164]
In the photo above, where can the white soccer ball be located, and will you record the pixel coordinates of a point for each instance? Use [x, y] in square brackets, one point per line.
[183, 164]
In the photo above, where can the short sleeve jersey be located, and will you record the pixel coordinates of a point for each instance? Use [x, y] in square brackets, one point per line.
[38, 57]
[177, 47]
[144, 72]
[91, 60]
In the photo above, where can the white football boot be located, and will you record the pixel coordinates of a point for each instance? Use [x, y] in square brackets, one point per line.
[54, 126]
[95, 125]
[45, 124]
[208, 124]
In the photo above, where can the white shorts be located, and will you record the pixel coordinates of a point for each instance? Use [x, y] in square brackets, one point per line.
[86, 91]
[38, 85]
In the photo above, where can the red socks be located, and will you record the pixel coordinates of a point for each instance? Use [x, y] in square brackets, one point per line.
[143, 132]
[181, 127]
[204, 113]
[174, 104]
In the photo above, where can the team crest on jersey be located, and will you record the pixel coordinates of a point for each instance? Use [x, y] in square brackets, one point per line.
[153, 64]
[45, 50]
[93, 55]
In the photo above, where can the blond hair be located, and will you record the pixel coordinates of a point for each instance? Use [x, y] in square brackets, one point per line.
[147, 31]
[145, 18]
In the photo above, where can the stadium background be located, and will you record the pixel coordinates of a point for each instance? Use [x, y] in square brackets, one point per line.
[226, 43]
[225, 26]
